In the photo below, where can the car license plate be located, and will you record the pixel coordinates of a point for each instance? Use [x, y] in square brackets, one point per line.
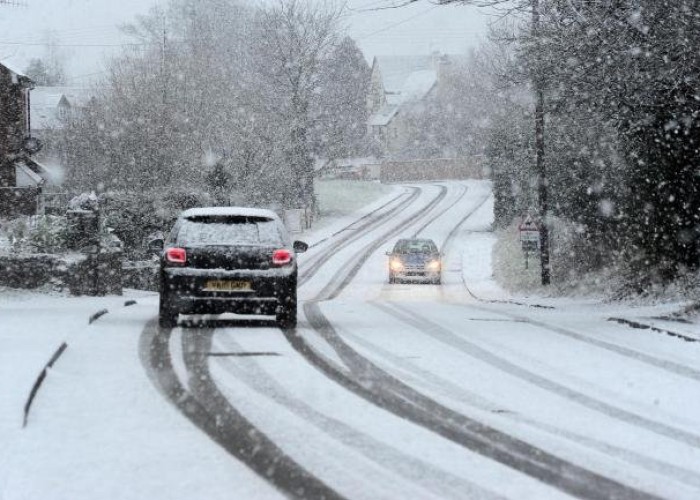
[228, 286]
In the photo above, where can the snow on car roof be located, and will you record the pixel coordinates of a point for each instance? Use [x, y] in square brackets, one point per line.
[229, 211]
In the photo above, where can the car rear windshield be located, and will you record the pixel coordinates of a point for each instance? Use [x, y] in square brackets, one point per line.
[228, 230]
[415, 246]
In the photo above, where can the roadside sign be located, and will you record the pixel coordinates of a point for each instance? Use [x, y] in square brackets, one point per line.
[529, 235]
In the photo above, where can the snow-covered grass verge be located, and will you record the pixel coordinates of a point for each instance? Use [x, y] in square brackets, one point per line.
[342, 197]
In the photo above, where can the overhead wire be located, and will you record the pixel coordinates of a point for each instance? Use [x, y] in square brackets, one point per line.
[399, 23]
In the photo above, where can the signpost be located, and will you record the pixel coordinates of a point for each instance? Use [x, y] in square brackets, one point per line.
[529, 237]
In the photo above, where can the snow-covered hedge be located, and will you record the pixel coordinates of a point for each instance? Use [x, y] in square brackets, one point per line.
[133, 216]
[36, 234]
[575, 266]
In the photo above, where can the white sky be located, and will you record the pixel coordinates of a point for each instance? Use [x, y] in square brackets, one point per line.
[88, 29]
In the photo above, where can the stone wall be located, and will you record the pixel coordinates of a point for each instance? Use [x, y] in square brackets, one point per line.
[97, 274]
[141, 275]
[433, 170]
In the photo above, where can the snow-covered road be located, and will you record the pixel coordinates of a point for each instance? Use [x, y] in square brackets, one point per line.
[383, 391]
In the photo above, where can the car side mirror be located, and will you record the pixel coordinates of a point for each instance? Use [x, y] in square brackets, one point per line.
[155, 246]
[300, 247]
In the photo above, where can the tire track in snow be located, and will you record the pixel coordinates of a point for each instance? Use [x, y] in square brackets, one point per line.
[385, 391]
[210, 411]
[412, 469]
[365, 221]
[375, 219]
[670, 366]
[342, 278]
[447, 337]
[436, 384]
[441, 213]
[663, 364]
[380, 388]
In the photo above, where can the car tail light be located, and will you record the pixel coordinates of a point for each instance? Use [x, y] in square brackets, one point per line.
[281, 257]
[176, 256]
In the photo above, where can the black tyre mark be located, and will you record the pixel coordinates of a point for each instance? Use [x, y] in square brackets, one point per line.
[642, 326]
[669, 366]
[445, 484]
[97, 316]
[40, 380]
[378, 387]
[439, 214]
[449, 389]
[372, 216]
[445, 336]
[210, 411]
[342, 279]
[313, 266]
[385, 391]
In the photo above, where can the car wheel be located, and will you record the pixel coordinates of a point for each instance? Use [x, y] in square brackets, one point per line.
[287, 316]
[167, 316]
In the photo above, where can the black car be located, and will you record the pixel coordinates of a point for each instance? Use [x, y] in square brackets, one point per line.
[229, 259]
[415, 259]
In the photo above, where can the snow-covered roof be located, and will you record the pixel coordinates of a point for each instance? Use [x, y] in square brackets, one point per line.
[395, 70]
[77, 96]
[26, 176]
[229, 212]
[13, 66]
[418, 84]
[44, 106]
[405, 79]
[385, 114]
[46, 102]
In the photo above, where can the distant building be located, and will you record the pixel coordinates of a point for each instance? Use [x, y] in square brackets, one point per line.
[50, 109]
[397, 84]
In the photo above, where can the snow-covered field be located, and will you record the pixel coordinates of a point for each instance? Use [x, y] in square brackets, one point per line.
[384, 391]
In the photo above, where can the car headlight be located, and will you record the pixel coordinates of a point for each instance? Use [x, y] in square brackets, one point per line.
[433, 265]
[396, 265]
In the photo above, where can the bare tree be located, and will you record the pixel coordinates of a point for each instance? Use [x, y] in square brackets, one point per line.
[295, 37]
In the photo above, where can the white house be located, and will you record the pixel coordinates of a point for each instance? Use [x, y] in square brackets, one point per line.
[52, 106]
[398, 83]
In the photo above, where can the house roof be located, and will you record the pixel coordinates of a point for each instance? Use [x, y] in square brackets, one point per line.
[395, 70]
[17, 75]
[44, 105]
[418, 85]
[385, 114]
[77, 96]
[405, 79]
[12, 66]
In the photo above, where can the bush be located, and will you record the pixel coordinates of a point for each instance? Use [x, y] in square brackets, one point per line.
[132, 217]
[37, 234]
[575, 264]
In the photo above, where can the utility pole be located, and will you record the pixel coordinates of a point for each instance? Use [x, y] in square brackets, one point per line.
[540, 167]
